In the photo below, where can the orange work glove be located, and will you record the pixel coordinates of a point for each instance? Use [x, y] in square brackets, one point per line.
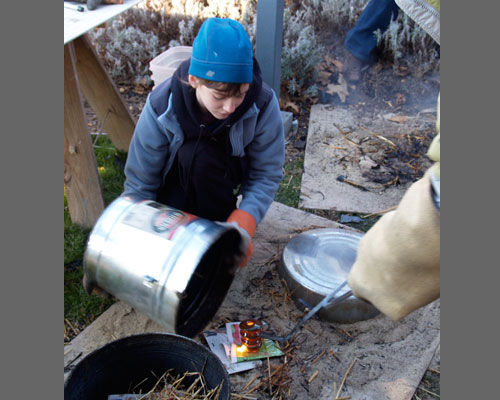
[245, 222]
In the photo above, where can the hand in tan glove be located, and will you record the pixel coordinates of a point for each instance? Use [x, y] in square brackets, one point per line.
[397, 267]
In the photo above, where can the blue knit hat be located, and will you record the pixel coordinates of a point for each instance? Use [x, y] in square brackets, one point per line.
[222, 52]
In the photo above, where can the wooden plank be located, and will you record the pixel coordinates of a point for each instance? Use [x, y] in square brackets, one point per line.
[102, 95]
[81, 178]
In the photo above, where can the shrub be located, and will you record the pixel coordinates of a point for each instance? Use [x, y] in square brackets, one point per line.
[405, 39]
[330, 16]
[126, 51]
[130, 41]
[300, 54]
[133, 39]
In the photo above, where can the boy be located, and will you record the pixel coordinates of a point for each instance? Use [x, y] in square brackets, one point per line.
[209, 132]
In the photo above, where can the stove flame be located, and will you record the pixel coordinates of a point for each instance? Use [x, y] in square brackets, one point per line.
[242, 349]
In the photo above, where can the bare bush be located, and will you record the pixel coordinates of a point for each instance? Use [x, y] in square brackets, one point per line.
[126, 50]
[333, 15]
[129, 42]
[134, 38]
[405, 39]
[300, 54]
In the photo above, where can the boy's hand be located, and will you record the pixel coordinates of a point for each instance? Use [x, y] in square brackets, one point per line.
[246, 225]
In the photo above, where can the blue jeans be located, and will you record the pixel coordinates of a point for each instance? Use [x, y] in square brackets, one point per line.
[360, 40]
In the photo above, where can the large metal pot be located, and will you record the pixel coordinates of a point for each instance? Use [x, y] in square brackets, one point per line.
[170, 265]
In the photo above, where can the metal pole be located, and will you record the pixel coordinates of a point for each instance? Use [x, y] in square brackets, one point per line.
[268, 42]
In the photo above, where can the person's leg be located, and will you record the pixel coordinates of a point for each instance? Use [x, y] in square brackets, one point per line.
[203, 181]
[360, 40]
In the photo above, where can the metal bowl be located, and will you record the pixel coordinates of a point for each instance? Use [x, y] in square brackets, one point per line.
[315, 263]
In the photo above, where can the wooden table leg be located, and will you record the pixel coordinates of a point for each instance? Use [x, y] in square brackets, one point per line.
[81, 178]
[101, 93]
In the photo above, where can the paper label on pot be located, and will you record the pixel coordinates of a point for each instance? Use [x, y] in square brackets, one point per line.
[156, 218]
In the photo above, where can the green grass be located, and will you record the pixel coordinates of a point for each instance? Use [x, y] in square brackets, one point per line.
[80, 308]
[289, 190]
[110, 162]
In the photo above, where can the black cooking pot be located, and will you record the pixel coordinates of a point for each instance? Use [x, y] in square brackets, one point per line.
[138, 361]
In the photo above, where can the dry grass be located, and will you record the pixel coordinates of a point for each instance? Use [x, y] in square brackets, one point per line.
[170, 387]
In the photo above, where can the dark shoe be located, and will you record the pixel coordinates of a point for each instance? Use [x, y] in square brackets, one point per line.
[352, 67]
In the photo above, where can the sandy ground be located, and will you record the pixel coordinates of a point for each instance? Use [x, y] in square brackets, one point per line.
[372, 359]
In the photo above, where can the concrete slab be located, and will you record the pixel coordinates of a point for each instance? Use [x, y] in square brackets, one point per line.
[331, 152]
[389, 358]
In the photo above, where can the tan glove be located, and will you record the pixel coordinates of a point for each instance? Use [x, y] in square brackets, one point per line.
[397, 267]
